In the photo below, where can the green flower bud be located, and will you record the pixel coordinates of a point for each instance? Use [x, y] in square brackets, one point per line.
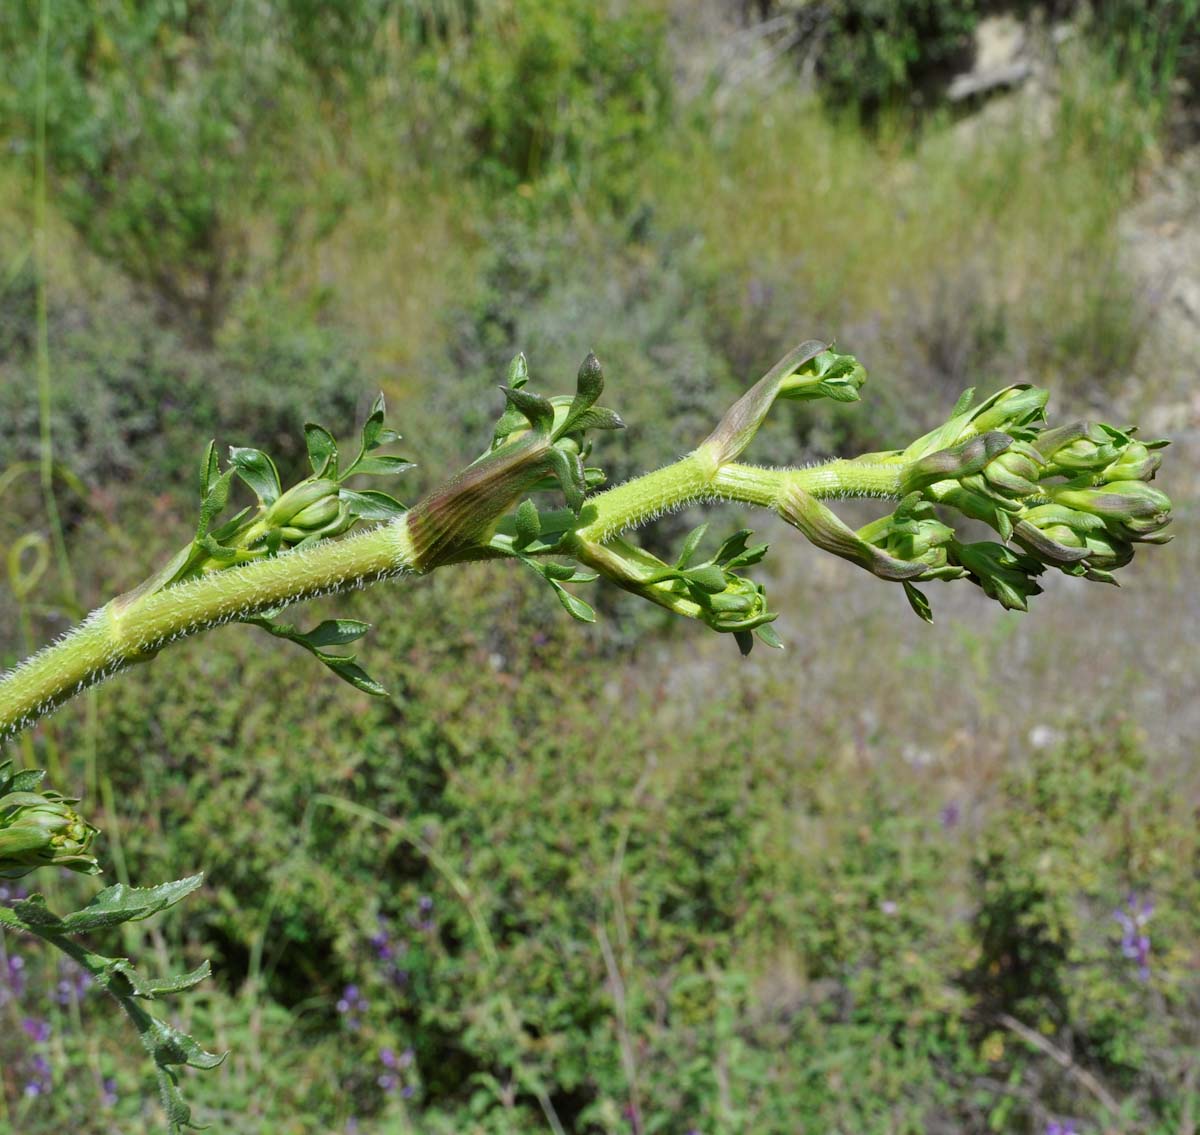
[1014, 411]
[316, 515]
[301, 497]
[827, 375]
[1137, 462]
[914, 534]
[1004, 575]
[1106, 453]
[42, 829]
[1133, 508]
[1015, 472]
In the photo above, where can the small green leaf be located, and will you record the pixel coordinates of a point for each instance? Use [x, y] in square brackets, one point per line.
[170, 1046]
[210, 467]
[258, 471]
[150, 988]
[214, 503]
[333, 632]
[569, 470]
[518, 372]
[351, 672]
[708, 577]
[574, 606]
[919, 603]
[380, 466]
[373, 427]
[597, 418]
[370, 504]
[119, 903]
[322, 450]
[527, 523]
[221, 534]
[690, 545]
[768, 636]
[964, 402]
[553, 570]
[537, 410]
[745, 641]
[734, 546]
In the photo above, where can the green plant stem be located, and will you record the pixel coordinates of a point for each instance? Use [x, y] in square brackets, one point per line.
[134, 627]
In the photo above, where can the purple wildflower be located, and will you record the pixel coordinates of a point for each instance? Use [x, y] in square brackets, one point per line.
[40, 1079]
[352, 1005]
[950, 814]
[1057, 1128]
[108, 1092]
[389, 951]
[12, 979]
[36, 1029]
[1135, 942]
[73, 982]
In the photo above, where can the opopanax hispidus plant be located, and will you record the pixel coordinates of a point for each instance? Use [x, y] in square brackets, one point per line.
[1075, 498]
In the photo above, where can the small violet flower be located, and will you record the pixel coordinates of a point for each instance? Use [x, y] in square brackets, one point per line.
[352, 1005]
[1133, 915]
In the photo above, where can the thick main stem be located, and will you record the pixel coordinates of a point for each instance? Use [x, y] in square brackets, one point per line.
[126, 631]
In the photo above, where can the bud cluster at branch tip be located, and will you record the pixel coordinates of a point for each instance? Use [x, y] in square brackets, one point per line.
[40, 828]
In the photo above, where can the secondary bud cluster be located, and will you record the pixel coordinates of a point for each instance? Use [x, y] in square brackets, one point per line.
[1075, 498]
[40, 828]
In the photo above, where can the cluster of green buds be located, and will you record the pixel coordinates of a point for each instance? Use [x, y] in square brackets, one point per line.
[40, 828]
[538, 444]
[1075, 498]
[317, 508]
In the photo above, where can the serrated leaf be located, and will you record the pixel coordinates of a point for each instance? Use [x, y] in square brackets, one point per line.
[351, 672]
[380, 466]
[690, 545]
[574, 606]
[27, 780]
[171, 1046]
[150, 988]
[258, 471]
[34, 912]
[919, 603]
[120, 903]
[370, 504]
[537, 410]
[322, 450]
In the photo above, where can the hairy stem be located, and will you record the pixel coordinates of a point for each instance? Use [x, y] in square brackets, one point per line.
[134, 628]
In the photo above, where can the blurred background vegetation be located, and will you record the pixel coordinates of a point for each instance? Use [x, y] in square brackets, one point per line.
[897, 879]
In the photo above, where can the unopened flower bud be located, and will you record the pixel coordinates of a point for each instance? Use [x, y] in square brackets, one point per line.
[1004, 575]
[1137, 462]
[1132, 507]
[42, 830]
[301, 497]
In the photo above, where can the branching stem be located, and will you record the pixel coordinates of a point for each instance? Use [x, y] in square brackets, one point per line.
[134, 628]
